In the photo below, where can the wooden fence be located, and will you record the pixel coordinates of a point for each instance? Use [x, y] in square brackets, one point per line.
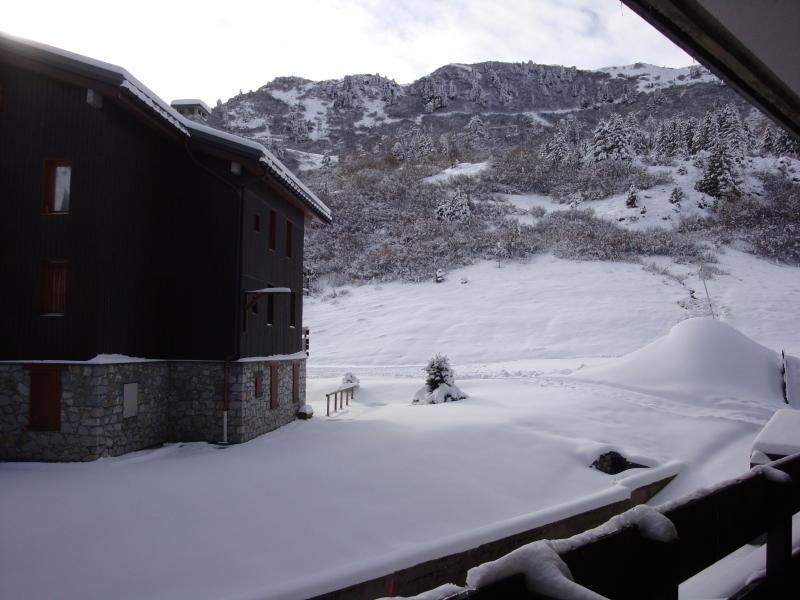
[624, 565]
[343, 394]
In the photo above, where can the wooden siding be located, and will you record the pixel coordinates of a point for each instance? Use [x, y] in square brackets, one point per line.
[262, 267]
[151, 237]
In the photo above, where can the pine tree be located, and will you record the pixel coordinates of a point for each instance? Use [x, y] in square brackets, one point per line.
[785, 144]
[611, 140]
[688, 129]
[476, 127]
[668, 140]
[731, 133]
[767, 142]
[455, 208]
[438, 372]
[557, 149]
[706, 134]
[719, 179]
[676, 197]
[633, 197]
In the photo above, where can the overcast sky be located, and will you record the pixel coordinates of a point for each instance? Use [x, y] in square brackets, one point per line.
[210, 50]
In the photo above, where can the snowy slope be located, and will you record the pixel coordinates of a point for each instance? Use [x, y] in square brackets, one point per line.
[651, 77]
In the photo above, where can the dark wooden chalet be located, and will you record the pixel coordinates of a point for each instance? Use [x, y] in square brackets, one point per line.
[128, 229]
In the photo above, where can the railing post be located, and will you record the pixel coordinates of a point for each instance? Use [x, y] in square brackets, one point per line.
[779, 536]
[328, 402]
[660, 578]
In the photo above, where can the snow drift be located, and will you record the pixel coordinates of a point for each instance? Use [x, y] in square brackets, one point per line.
[699, 357]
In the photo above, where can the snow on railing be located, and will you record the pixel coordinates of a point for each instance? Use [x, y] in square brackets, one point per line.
[646, 552]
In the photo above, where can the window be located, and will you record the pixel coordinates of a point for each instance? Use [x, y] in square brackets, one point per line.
[289, 229]
[130, 400]
[58, 177]
[293, 309]
[273, 229]
[295, 381]
[270, 308]
[45, 398]
[257, 223]
[259, 384]
[53, 288]
[273, 385]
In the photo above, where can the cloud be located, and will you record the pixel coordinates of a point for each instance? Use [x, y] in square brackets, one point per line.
[212, 49]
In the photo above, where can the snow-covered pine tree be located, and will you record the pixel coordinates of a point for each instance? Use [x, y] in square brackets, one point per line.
[511, 241]
[475, 127]
[611, 140]
[668, 140]
[439, 383]
[438, 372]
[557, 149]
[676, 197]
[398, 152]
[706, 134]
[766, 144]
[731, 133]
[785, 144]
[632, 200]
[455, 208]
[720, 175]
[637, 137]
[688, 128]
[296, 126]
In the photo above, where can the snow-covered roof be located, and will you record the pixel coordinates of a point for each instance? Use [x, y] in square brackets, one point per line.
[191, 102]
[113, 75]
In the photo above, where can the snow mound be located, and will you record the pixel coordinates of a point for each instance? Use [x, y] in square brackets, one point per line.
[698, 357]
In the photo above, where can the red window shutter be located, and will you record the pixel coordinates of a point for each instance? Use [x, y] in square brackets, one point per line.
[259, 385]
[289, 231]
[53, 288]
[295, 381]
[45, 398]
[273, 386]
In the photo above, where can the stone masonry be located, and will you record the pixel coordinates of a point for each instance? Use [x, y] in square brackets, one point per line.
[177, 401]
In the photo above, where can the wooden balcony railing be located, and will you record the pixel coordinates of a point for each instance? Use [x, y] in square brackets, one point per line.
[625, 565]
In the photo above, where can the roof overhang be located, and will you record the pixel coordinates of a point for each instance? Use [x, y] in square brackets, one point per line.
[752, 46]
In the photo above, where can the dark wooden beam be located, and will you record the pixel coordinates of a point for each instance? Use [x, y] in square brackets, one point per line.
[694, 29]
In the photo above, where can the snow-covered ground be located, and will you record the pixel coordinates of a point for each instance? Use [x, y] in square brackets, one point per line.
[384, 484]
[651, 77]
[466, 169]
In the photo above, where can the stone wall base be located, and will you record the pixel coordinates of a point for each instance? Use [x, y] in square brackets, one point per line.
[170, 401]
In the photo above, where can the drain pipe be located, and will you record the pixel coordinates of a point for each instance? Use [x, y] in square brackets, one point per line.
[226, 399]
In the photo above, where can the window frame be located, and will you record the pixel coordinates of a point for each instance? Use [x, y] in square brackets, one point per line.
[50, 168]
